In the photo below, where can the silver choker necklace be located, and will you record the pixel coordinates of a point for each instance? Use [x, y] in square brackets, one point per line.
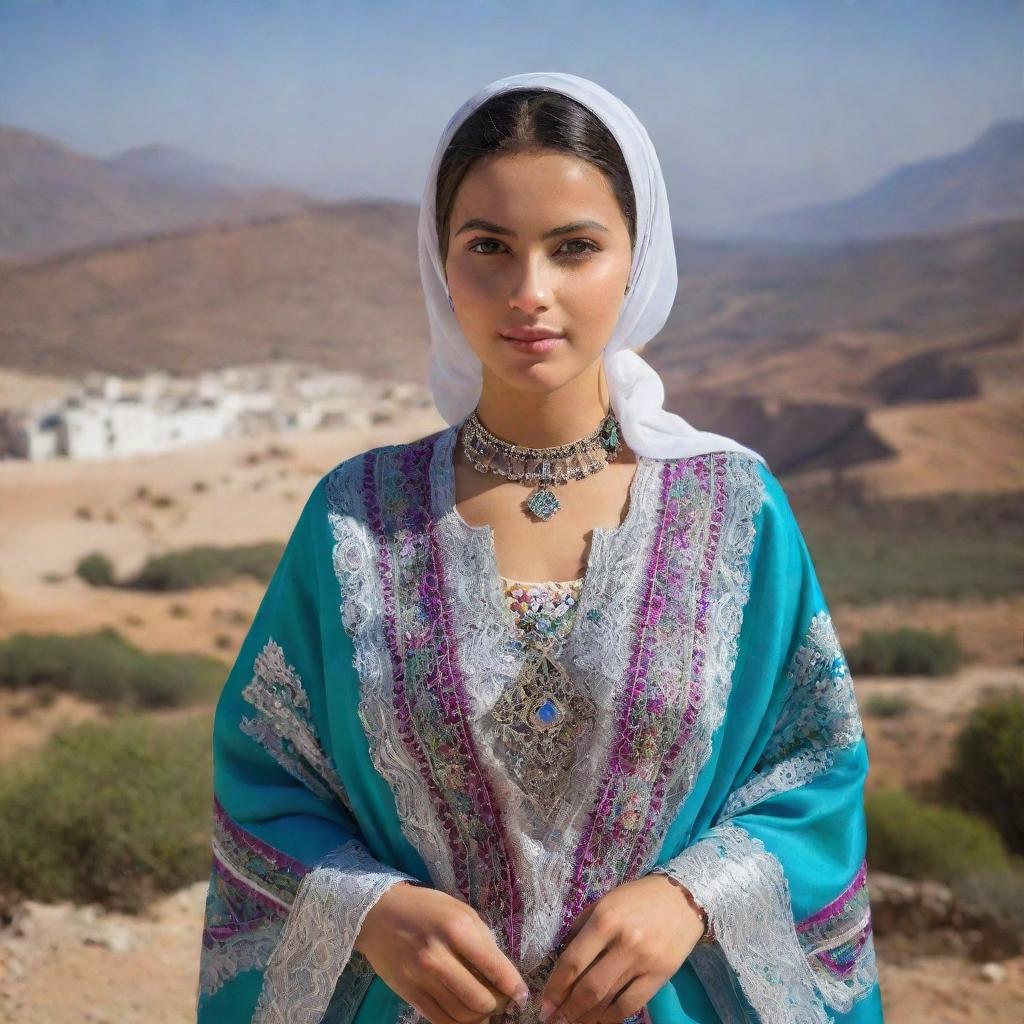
[573, 461]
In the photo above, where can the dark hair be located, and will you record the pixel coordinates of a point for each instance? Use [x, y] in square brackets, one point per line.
[523, 120]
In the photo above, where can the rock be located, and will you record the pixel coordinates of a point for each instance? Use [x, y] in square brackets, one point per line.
[88, 914]
[31, 918]
[993, 972]
[118, 938]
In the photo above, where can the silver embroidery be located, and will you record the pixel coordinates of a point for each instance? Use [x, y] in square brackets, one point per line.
[819, 718]
[746, 895]
[277, 693]
[540, 726]
[362, 615]
[317, 941]
[224, 961]
[596, 653]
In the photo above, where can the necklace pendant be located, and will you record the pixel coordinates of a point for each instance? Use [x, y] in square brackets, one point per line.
[543, 503]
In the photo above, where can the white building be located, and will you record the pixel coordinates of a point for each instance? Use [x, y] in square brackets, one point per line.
[111, 417]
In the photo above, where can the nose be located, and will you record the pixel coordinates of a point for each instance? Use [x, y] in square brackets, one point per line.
[532, 291]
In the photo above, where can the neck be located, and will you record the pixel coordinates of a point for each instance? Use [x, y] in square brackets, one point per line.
[537, 419]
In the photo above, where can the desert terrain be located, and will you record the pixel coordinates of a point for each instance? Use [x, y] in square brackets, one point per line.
[62, 964]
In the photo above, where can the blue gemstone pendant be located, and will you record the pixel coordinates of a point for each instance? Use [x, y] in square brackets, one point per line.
[542, 503]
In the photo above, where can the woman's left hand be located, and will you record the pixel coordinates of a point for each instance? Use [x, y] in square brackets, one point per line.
[621, 950]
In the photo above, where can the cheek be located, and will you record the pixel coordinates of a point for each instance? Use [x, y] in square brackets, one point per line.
[474, 282]
[595, 293]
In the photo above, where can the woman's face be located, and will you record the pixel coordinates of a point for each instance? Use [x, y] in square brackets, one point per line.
[512, 263]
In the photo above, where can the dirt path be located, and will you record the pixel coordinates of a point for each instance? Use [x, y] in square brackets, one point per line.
[65, 965]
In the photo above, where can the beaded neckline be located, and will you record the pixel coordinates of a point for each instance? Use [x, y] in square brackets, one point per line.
[442, 481]
[515, 581]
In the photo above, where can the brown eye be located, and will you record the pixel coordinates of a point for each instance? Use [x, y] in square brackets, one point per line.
[483, 241]
[585, 252]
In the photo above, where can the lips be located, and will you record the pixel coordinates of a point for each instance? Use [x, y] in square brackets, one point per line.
[532, 333]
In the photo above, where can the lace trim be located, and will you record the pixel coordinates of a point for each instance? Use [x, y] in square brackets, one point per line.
[284, 726]
[745, 892]
[366, 591]
[654, 642]
[839, 941]
[819, 718]
[304, 942]
[251, 888]
[316, 943]
[239, 934]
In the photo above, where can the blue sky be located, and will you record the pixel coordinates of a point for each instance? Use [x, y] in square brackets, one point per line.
[753, 105]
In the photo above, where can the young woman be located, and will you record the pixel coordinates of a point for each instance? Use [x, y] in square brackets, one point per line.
[544, 711]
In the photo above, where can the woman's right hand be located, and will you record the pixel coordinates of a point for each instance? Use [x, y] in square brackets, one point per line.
[437, 954]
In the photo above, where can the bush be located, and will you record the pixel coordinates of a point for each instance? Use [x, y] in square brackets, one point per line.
[887, 705]
[114, 814]
[986, 772]
[103, 667]
[96, 569]
[207, 566]
[914, 839]
[905, 652]
[995, 894]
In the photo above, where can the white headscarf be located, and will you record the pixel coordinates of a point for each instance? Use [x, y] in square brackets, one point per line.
[635, 389]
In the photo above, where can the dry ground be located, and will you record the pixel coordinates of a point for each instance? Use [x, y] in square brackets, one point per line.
[62, 964]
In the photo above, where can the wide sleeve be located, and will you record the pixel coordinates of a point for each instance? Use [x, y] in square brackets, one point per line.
[780, 866]
[292, 878]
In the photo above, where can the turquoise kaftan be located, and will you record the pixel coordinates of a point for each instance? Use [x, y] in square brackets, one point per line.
[388, 718]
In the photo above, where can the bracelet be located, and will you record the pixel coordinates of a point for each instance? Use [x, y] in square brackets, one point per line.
[706, 936]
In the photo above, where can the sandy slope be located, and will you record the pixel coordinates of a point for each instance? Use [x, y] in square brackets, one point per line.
[67, 965]
[62, 964]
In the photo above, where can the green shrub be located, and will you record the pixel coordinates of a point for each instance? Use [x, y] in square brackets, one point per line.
[207, 566]
[887, 705]
[995, 894]
[947, 546]
[905, 652]
[986, 772]
[96, 569]
[911, 838]
[103, 667]
[114, 814]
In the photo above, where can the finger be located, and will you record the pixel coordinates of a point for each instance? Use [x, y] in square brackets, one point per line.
[633, 998]
[589, 944]
[600, 984]
[502, 999]
[487, 958]
[427, 1006]
[461, 993]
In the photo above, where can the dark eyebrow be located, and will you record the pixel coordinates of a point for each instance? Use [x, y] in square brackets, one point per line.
[476, 223]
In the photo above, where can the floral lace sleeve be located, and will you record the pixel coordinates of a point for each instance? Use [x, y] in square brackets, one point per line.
[781, 869]
[292, 878]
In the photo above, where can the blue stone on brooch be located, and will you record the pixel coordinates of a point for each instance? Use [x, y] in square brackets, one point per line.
[547, 714]
[543, 504]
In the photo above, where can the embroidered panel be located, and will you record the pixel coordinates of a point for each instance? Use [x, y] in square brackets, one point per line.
[763, 959]
[296, 923]
[820, 716]
[839, 943]
[542, 724]
[252, 885]
[284, 725]
[315, 972]
[742, 887]
[652, 646]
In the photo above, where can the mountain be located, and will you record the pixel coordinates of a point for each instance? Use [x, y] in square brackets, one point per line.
[826, 359]
[980, 184]
[177, 168]
[336, 284]
[53, 198]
